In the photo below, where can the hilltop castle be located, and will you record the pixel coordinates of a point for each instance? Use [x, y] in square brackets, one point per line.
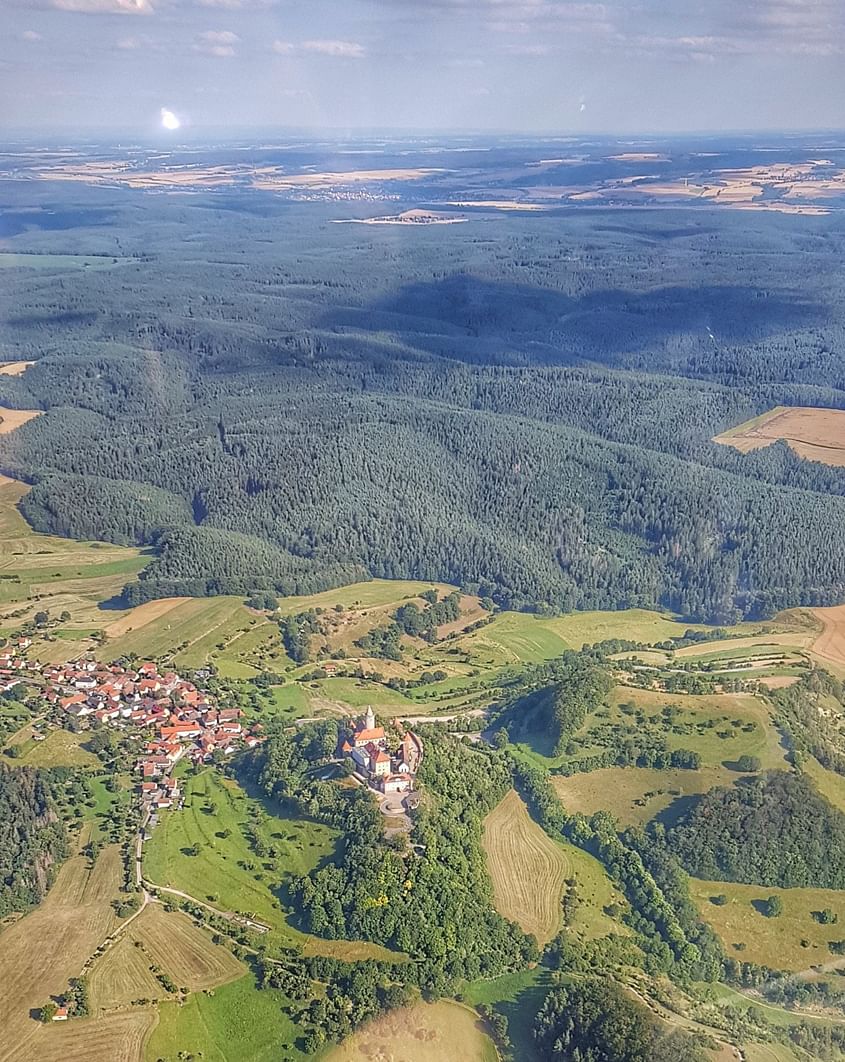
[365, 745]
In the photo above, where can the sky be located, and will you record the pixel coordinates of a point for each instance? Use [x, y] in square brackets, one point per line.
[345, 66]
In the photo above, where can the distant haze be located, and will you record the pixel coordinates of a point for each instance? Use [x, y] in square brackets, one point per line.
[221, 66]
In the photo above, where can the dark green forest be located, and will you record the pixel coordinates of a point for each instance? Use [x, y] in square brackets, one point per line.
[519, 406]
[32, 839]
[774, 830]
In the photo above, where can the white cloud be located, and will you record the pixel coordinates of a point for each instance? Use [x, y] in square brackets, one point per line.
[219, 43]
[31, 35]
[104, 7]
[333, 49]
[336, 49]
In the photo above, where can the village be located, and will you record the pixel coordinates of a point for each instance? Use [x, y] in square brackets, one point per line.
[183, 722]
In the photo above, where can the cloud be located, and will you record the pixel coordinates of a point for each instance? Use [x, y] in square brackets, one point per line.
[333, 49]
[103, 7]
[336, 49]
[219, 43]
[31, 35]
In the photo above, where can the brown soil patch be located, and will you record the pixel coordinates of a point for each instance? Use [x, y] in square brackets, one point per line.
[15, 368]
[143, 614]
[14, 418]
[813, 433]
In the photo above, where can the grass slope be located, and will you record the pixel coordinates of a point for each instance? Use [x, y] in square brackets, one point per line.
[774, 942]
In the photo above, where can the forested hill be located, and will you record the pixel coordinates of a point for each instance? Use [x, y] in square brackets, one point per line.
[519, 405]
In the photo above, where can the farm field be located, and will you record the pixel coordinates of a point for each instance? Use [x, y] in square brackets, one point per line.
[238, 1022]
[172, 941]
[518, 637]
[830, 784]
[117, 1037]
[527, 868]
[43, 949]
[774, 942]
[423, 1033]
[59, 749]
[528, 871]
[169, 940]
[829, 645]
[21, 260]
[14, 418]
[635, 795]
[815, 434]
[15, 368]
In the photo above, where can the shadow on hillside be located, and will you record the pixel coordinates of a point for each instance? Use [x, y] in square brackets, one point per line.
[479, 316]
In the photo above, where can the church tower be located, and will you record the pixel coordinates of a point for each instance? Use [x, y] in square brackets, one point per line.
[370, 719]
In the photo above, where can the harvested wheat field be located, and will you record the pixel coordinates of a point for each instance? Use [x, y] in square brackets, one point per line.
[40, 952]
[117, 1037]
[15, 368]
[122, 975]
[829, 645]
[816, 434]
[14, 418]
[141, 615]
[424, 1033]
[173, 942]
[527, 868]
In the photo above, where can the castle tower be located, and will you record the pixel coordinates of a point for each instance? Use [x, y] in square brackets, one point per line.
[370, 719]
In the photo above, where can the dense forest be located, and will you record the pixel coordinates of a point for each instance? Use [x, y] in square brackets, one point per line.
[594, 1021]
[774, 830]
[32, 839]
[519, 406]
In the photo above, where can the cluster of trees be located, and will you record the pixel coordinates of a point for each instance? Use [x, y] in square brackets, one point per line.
[771, 830]
[423, 623]
[562, 694]
[353, 994]
[296, 634]
[592, 1020]
[33, 841]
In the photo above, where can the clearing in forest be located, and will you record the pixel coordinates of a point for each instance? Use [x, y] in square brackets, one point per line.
[635, 795]
[14, 418]
[813, 433]
[15, 368]
[527, 868]
[425, 1033]
[795, 940]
